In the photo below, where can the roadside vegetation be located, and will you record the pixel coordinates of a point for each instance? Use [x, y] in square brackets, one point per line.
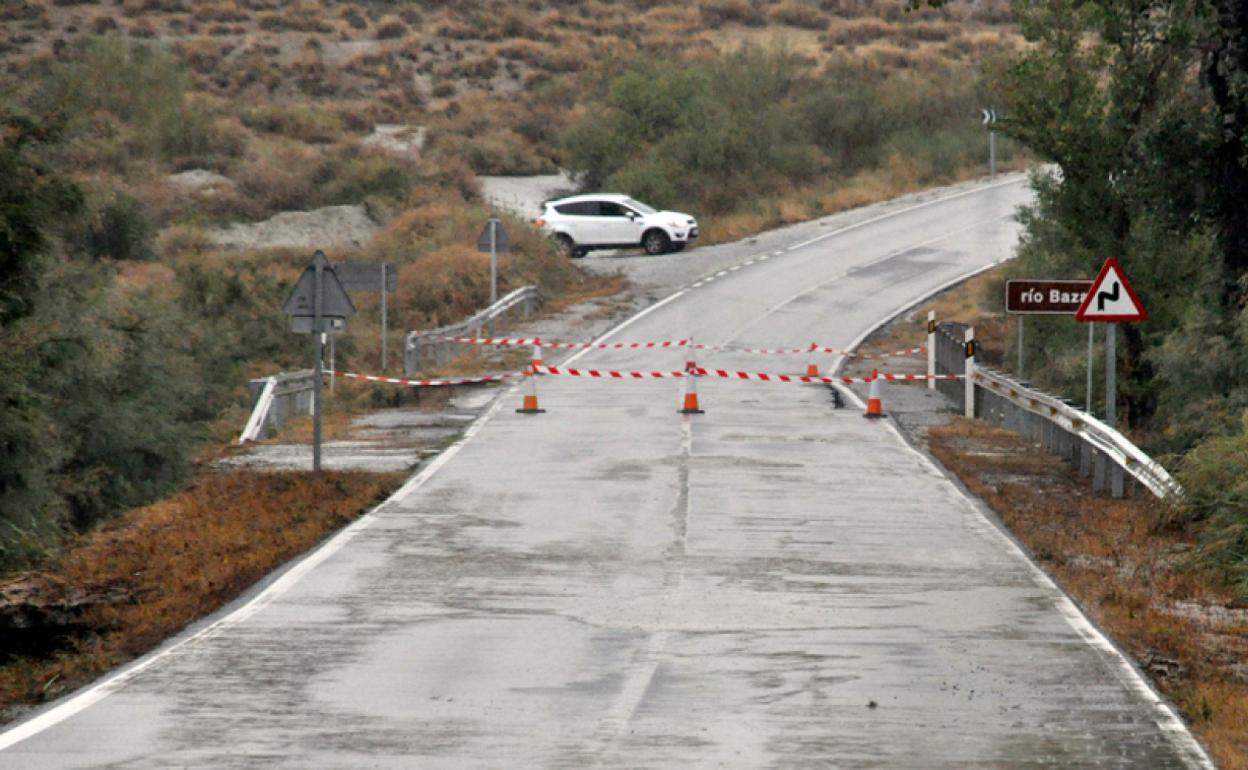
[1142, 111]
[762, 136]
[120, 590]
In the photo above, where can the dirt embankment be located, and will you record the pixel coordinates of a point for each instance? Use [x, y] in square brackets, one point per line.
[128, 585]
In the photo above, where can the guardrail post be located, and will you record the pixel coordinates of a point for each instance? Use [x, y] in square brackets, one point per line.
[411, 355]
[1098, 471]
[1116, 481]
[968, 339]
[931, 349]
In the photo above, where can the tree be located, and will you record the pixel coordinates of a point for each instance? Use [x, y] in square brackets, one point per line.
[1103, 93]
[1224, 70]
[31, 510]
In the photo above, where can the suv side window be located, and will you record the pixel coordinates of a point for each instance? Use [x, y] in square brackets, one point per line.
[583, 208]
[610, 209]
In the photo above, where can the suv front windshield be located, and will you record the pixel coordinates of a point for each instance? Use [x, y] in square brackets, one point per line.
[643, 208]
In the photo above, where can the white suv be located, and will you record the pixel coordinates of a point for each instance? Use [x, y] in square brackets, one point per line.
[610, 221]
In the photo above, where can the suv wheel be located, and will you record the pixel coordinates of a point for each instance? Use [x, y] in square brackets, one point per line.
[569, 247]
[656, 242]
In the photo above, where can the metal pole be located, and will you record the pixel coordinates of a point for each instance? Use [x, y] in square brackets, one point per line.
[931, 349]
[969, 339]
[318, 330]
[1088, 400]
[493, 267]
[992, 152]
[1111, 376]
[333, 365]
[1020, 346]
[383, 317]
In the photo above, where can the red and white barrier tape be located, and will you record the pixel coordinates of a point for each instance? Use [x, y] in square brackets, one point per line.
[811, 349]
[429, 383]
[735, 375]
[609, 374]
[529, 341]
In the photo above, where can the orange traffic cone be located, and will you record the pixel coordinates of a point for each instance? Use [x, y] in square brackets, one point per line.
[530, 396]
[537, 354]
[812, 368]
[691, 395]
[690, 364]
[874, 408]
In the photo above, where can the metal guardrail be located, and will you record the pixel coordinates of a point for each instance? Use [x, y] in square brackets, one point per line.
[1097, 449]
[431, 347]
[274, 399]
[1057, 417]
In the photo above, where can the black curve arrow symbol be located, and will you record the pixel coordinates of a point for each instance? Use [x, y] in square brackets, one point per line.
[1101, 296]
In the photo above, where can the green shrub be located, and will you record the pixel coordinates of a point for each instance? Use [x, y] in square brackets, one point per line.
[307, 123]
[118, 228]
[360, 175]
[1214, 476]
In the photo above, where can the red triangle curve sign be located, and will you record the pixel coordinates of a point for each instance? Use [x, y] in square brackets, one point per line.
[1111, 298]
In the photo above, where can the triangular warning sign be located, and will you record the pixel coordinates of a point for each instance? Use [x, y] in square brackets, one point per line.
[1111, 298]
[334, 299]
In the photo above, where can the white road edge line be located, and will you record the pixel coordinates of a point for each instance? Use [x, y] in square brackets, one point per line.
[1164, 715]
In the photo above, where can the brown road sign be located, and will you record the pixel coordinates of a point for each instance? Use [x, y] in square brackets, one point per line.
[1045, 297]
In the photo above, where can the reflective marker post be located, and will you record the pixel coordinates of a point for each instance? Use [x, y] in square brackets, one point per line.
[931, 349]
[969, 340]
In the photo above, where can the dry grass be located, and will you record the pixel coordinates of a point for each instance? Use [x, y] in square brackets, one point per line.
[1189, 634]
[148, 574]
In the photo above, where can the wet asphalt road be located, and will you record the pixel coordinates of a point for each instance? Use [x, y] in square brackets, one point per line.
[775, 583]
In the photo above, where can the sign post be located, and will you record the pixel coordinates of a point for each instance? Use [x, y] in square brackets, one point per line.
[318, 305]
[371, 277]
[493, 240]
[1088, 399]
[1112, 301]
[1042, 297]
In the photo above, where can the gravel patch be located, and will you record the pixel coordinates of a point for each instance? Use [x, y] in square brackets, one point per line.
[398, 138]
[524, 195]
[325, 228]
[200, 179]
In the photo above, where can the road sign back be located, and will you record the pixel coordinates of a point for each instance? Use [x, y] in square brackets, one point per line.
[1111, 298]
[501, 241]
[334, 299]
[355, 276]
